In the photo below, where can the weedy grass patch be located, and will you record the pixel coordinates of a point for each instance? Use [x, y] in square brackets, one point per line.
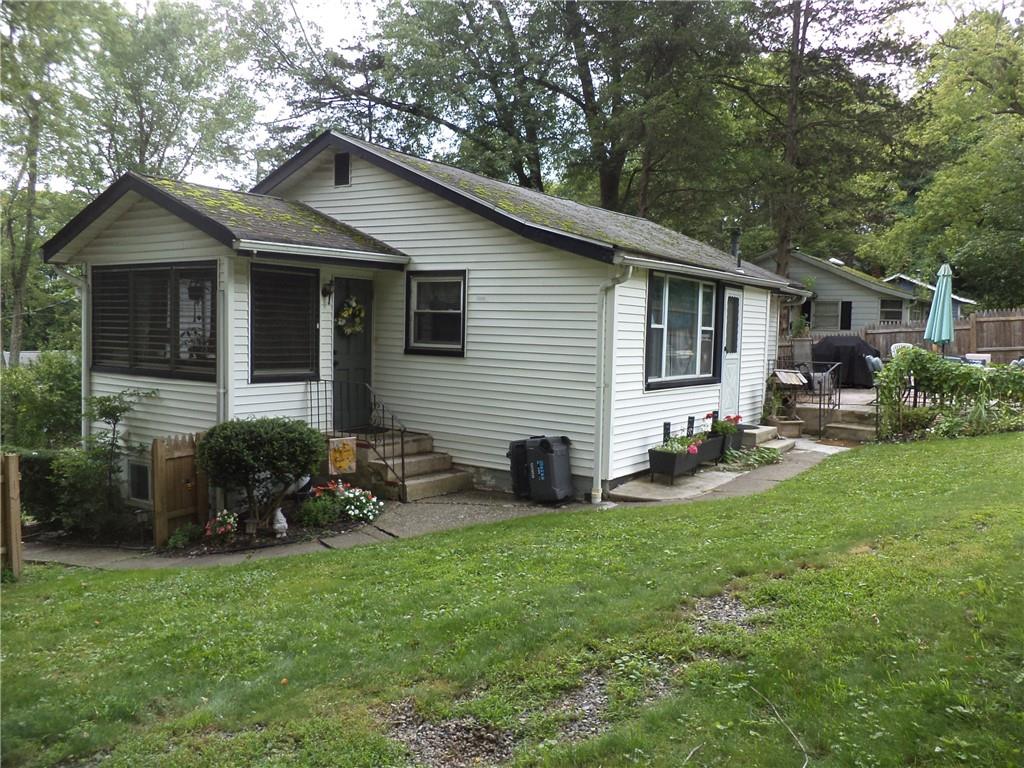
[885, 588]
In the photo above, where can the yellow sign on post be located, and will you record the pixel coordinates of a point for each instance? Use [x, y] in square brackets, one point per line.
[341, 455]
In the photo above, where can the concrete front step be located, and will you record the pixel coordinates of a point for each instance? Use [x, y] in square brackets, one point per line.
[436, 484]
[755, 436]
[415, 443]
[416, 464]
[857, 433]
[847, 414]
[780, 444]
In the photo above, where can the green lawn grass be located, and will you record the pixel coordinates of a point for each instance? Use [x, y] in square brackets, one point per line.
[894, 575]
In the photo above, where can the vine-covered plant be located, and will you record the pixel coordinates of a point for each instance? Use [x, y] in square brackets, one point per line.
[976, 395]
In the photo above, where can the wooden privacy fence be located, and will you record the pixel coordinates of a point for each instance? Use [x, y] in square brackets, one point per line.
[10, 513]
[998, 332]
[180, 488]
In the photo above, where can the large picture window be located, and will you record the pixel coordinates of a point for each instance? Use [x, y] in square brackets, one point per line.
[436, 312]
[285, 324]
[155, 320]
[680, 329]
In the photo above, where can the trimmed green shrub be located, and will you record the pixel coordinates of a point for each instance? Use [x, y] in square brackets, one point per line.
[84, 500]
[260, 458]
[42, 405]
[38, 487]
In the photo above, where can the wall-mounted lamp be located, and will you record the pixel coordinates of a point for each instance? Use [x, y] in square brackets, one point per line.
[328, 290]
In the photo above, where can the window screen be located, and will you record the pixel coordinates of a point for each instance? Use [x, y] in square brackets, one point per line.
[680, 328]
[891, 311]
[160, 321]
[436, 312]
[285, 324]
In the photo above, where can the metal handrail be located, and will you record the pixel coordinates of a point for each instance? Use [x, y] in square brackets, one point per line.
[381, 420]
[384, 419]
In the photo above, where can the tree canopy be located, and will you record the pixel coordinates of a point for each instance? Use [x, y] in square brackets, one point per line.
[789, 121]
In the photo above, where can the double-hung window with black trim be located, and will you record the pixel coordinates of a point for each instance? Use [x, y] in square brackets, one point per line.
[435, 322]
[158, 320]
[285, 312]
[681, 319]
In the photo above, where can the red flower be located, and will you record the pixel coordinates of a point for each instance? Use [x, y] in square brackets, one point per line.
[692, 449]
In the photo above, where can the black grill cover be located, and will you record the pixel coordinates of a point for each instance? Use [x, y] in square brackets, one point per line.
[850, 351]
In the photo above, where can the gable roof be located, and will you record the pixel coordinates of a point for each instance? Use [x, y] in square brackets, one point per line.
[239, 220]
[923, 284]
[848, 273]
[583, 229]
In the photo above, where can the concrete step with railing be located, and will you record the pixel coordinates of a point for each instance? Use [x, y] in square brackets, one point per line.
[427, 472]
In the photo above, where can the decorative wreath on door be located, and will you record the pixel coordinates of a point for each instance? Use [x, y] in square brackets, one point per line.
[350, 316]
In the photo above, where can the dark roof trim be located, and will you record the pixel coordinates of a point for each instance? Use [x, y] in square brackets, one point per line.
[328, 140]
[303, 258]
[131, 182]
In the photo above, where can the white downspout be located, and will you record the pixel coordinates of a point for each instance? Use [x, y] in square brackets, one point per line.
[601, 380]
[82, 288]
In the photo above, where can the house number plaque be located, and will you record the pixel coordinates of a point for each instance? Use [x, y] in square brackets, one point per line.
[341, 455]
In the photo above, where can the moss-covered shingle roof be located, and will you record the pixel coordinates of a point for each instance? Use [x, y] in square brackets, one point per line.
[268, 218]
[628, 233]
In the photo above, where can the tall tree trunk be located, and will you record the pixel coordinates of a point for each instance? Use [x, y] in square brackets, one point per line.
[23, 258]
[788, 197]
[609, 161]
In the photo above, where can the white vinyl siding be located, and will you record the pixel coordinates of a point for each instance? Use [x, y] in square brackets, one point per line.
[146, 233]
[180, 406]
[638, 415]
[531, 320]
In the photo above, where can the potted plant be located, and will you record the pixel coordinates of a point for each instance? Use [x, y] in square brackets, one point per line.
[682, 454]
[730, 429]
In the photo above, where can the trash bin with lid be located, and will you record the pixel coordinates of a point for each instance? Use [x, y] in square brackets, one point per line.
[548, 465]
[519, 467]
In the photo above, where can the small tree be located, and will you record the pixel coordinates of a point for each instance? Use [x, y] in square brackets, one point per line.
[88, 489]
[261, 458]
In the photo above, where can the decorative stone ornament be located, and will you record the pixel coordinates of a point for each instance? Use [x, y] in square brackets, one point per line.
[280, 524]
[350, 316]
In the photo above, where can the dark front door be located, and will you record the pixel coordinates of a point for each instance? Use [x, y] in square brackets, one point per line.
[353, 347]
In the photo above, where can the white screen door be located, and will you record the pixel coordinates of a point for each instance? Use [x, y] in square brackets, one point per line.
[730, 404]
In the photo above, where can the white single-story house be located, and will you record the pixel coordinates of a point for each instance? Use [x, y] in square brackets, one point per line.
[845, 299]
[478, 312]
[919, 312]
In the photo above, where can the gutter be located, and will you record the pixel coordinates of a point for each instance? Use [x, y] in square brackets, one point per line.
[602, 402]
[318, 251]
[715, 274]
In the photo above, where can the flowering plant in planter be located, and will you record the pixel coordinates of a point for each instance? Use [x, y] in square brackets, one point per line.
[683, 444]
[728, 426]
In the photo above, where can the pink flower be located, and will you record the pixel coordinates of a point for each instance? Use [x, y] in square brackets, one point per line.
[692, 449]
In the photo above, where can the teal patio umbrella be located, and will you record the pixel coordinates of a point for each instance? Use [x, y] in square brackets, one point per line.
[940, 318]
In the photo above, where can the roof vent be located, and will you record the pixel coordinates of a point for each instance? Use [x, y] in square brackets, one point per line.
[837, 262]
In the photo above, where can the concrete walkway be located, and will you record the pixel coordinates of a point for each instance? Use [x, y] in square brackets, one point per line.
[403, 521]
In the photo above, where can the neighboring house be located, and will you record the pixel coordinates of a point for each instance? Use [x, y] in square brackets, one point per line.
[492, 312]
[845, 299]
[27, 357]
[919, 311]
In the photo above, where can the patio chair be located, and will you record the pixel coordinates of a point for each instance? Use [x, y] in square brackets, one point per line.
[898, 346]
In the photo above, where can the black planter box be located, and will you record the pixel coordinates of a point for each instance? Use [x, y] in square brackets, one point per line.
[675, 464]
